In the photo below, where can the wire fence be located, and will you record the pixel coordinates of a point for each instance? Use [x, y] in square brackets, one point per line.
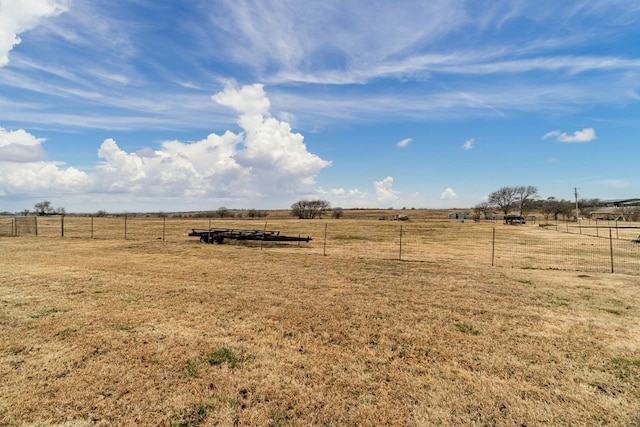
[591, 247]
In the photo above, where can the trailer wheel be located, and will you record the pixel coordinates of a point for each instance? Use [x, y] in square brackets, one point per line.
[218, 240]
[203, 238]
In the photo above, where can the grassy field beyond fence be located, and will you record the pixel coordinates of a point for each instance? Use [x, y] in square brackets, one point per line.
[603, 247]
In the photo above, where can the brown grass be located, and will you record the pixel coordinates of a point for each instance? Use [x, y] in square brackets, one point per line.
[144, 332]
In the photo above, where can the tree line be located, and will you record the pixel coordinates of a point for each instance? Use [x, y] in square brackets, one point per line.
[523, 200]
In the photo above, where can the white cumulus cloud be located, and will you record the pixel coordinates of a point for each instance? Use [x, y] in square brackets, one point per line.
[23, 168]
[20, 146]
[584, 135]
[468, 144]
[448, 194]
[384, 190]
[18, 16]
[266, 159]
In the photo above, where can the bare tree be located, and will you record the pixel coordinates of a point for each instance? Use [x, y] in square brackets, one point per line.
[626, 212]
[503, 199]
[553, 207]
[309, 209]
[43, 208]
[483, 210]
[337, 213]
[524, 196]
[223, 212]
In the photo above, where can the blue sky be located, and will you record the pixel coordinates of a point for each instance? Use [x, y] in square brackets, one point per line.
[144, 105]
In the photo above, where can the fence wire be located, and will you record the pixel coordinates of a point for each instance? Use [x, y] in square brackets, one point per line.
[547, 249]
[592, 247]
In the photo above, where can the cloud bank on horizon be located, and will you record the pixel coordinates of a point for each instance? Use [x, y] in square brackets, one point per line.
[103, 103]
[265, 159]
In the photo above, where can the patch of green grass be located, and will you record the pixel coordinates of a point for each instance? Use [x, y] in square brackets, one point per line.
[349, 237]
[278, 418]
[130, 298]
[14, 351]
[466, 328]
[563, 302]
[47, 312]
[194, 415]
[227, 400]
[101, 291]
[66, 332]
[615, 311]
[624, 362]
[191, 367]
[222, 356]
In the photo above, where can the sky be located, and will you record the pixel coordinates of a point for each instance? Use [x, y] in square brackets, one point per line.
[170, 106]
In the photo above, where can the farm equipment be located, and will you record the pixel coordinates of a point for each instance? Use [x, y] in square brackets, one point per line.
[218, 235]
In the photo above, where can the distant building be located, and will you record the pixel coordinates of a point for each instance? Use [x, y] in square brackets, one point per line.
[459, 215]
[621, 202]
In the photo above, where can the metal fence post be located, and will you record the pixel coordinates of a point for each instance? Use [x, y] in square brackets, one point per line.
[493, 247]
[125, 227]
[400, 254]
[324, 247]
[611, 247]
[91, 226]
[61, 225]
[35, 221]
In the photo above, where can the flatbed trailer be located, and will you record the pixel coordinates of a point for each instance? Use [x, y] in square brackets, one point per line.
[218, 235]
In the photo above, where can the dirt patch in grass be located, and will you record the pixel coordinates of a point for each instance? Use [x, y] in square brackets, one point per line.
[125, 332]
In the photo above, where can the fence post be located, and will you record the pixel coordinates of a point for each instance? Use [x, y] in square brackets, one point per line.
[35, 221]
[92, 227]
[164, 226]
[61, 225]
[400, 255]
[611, 248]
[125, 227]
[493, 247]
[597, 230]
[14, 227]
[324, 247]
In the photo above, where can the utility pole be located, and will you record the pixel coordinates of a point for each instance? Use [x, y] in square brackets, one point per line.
[575, 192]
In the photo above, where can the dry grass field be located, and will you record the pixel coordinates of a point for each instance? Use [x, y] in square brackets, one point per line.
[153, 331]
